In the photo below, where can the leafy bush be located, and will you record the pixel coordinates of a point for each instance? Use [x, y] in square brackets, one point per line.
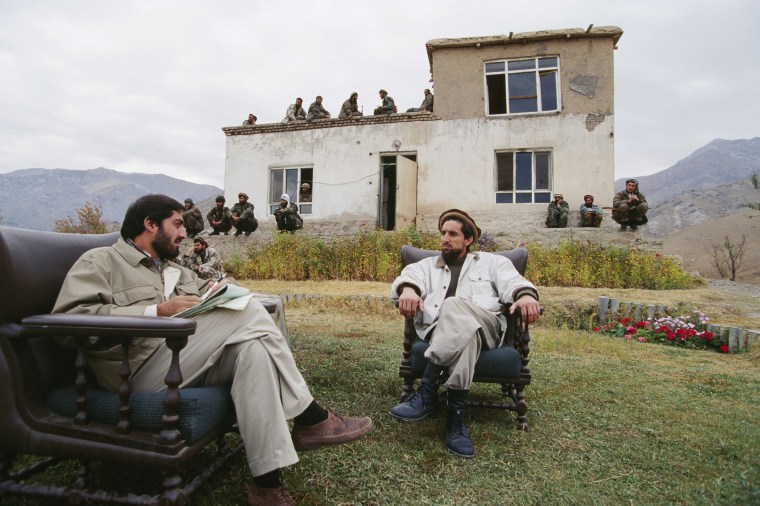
[573, 263]
[374, 256]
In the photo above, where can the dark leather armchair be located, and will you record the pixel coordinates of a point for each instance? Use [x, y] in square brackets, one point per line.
[52, 409]
[506, 365]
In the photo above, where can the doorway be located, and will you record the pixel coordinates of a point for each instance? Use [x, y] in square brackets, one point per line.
[398, 190]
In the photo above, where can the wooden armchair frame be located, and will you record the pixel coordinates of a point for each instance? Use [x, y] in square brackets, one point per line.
[513, 380]
[33, 266]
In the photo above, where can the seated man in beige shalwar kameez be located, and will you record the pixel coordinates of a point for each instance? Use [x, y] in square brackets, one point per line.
[247, 348]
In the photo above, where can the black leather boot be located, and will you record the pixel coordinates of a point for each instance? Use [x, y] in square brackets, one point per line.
[424, 402]
[457, 438]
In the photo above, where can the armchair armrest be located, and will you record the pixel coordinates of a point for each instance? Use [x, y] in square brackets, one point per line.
[107, 325]
[122, 329]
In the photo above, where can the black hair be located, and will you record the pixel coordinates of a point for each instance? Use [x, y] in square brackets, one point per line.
[467, 230]
[220, 198]
[155, 207]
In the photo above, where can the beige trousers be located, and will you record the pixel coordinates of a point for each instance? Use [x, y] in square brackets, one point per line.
[248, 349]
[462, 330]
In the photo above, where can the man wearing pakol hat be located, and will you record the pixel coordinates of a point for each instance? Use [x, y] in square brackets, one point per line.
[456, 300]
[388, 106]
[558, 212]
[219, 217]
[591, 214]
[203, 260]
[629, 207]
[242, 216]
[287, 217]
[193, 218]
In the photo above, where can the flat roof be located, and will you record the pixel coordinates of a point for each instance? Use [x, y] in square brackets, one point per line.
[521, 38]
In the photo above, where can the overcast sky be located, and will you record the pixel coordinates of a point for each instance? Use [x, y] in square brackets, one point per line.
[146, 86]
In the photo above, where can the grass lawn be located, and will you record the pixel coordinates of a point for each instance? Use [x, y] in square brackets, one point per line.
[611, 421]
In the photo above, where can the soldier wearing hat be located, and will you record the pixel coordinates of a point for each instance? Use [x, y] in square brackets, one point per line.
[350, 108]
[193, 218]
[460, 295]
[242, 217]
[558, 212]
[304, 196]
[388, 106]
[629, 207]
[591, 214]
[219, 217]
[203, 260]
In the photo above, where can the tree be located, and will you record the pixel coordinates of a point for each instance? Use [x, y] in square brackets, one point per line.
[756, 183]
[727, 258]
[88, 221]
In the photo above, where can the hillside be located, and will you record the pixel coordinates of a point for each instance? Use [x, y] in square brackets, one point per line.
[694, 245]
[710, 183]
[35, 198]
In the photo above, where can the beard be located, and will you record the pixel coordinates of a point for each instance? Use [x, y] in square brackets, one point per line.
[166, 249]
[453, 256]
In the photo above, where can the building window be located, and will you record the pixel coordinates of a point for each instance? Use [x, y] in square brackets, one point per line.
[520, 86]
[523, 177]
[291, 180]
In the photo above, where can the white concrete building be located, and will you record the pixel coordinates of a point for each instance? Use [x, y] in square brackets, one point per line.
[517, 118]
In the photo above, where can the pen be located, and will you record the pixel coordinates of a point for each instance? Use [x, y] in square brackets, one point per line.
[213, 287]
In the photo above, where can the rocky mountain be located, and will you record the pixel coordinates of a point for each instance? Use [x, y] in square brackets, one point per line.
[35, 198]
[710, 183]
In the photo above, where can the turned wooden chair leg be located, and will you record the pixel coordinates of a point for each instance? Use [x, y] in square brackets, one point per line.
[407, 389]
[522, 408]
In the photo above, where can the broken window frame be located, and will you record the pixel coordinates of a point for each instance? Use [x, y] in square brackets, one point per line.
[523, 176]
[508, 91]
[288, 179]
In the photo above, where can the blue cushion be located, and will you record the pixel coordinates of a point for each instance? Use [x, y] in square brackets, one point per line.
[504, 362]
[200, 409]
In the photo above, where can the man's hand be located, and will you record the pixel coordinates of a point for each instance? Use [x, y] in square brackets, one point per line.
[409, 302]
[529, 308]
[633, 198]
[177, 305]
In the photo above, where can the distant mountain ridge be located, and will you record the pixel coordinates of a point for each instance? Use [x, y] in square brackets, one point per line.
[35, 198]
[710, 183]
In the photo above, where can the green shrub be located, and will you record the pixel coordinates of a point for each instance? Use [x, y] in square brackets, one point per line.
[374, 256]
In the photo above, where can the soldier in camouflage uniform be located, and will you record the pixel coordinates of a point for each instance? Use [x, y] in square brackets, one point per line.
[203, 260]
[558, 212]
[193, 218]
[350, 108]
[219, 217]
[287, 217]
[629, 207]
[242, 216]
[427, 103]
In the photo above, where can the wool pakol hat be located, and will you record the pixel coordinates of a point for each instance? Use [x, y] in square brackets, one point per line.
[201, 240]
[244, 195]
[460, 215]
[634, 181]
[588, 197]
[285, 196]
[307, 185]
[559, 195]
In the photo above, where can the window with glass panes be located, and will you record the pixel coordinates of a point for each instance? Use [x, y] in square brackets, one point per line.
[289, 180]
[523, 177]
[522, 86]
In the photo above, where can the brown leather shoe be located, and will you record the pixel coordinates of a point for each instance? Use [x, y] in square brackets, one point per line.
[259, 496]
[334, 430]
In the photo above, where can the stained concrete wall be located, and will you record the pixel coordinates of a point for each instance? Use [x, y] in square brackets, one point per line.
[586, 75]
[456, 164]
